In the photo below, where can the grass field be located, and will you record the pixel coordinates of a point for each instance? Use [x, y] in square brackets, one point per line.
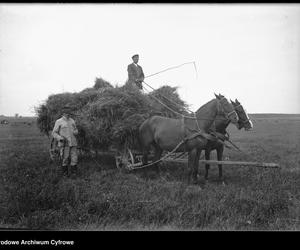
[33, 195]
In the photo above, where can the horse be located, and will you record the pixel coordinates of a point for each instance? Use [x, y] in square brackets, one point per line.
[165, 133]
[219, 126]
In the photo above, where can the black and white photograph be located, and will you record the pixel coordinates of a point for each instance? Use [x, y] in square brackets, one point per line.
[149, 117]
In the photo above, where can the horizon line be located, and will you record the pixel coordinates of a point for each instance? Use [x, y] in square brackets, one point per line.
[265, 113]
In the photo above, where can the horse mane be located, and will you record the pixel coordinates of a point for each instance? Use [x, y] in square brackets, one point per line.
[204, 106]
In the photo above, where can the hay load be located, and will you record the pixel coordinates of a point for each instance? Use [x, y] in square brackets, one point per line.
[109, 116]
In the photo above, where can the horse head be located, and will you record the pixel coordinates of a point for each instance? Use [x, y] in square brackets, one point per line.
[227, 110]
[244, 120]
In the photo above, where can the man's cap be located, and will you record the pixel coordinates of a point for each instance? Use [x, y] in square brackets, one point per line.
[134, 55]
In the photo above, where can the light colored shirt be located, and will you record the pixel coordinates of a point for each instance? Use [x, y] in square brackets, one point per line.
[65, 129]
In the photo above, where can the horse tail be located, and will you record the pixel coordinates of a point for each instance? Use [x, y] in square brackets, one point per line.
[139, 139]
[146, 136]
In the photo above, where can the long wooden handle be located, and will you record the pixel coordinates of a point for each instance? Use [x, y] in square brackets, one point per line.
[240, 163]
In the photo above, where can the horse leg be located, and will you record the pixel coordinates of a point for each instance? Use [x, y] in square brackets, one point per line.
[191, 166]
[220, 151]
[190, 161]
[157, 155]
[145, 140]
[196, 164]
[207, 157]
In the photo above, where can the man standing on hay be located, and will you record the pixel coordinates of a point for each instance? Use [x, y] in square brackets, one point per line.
[64, 132]
[135, 73]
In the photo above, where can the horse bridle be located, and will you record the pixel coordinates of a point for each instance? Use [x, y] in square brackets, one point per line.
[247, 118]
[227, 115]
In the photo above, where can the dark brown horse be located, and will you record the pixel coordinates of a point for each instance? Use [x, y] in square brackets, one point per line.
[219, 126]
[166, 133]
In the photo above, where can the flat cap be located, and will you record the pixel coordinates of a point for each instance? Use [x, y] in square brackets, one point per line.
[135, 55]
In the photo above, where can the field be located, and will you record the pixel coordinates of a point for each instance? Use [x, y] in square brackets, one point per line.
[33, 195]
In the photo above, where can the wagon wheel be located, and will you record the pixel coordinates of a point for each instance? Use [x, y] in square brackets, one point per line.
[124, 160]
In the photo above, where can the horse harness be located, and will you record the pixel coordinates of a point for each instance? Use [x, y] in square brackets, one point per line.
[247, 117]
[195, 132]
[211, 136]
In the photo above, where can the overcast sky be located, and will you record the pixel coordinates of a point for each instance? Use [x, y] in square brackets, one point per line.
[245, 51]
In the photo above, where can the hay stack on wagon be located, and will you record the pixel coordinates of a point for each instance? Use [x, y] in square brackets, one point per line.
[108, 116]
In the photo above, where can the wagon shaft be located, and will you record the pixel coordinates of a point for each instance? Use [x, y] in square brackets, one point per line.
[241, 163]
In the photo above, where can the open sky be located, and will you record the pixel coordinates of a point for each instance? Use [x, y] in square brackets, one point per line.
[245, 51]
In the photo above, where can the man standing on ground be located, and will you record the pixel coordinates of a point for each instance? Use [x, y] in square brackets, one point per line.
[64, 132]
[135, 73]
